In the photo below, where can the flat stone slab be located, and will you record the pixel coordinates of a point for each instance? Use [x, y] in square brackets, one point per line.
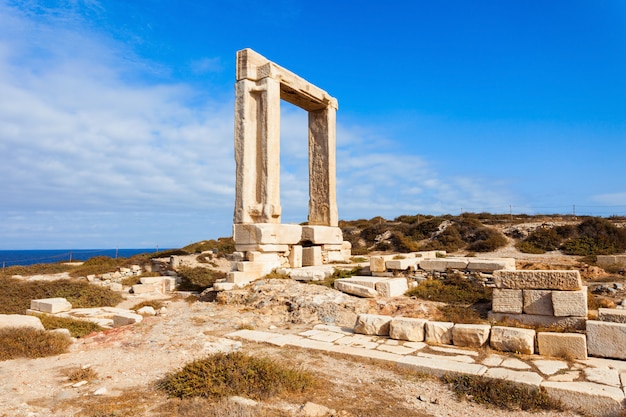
[400, 350]
[455, 358]
[124, 319]
[355, 289]
[564, 280]
[514, 363]
[19, 320]
[549, 367]
[520, 377]
[440, 367]
[322, 335]
[587, 397]
[603, 376]
[453, 351]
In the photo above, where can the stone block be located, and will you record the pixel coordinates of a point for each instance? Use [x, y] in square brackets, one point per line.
[355, 289]
[372, 324]
[261, 248]
[258, 256]
[562, 345]
[346, 249]
[570, 303]
[295, 256]
[586, 397]
[392, 287]
[434, 264]
[18, 320]
[267, 233]
[538, 320]
[50, 305]
[322, 235]
[512, 339]
[538, 302]
[312, 256]
[365, 281]
[490, 265]
[606, 339]
[606, 260]
[456, 263]
[307, 274]
[126, 318]
[335, 256]
[378, 264]
[613, 315]
[156, 281]
[143, 288]
[401, 264]
[406, 328]
[241, 278]
[470, 335]
[507, 301]
[258, 268]
[169, 284]
[563, 280]
[438, 332]
[224, 286]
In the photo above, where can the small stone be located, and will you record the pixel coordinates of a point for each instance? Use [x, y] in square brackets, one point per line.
[79, 384]
[100, 391]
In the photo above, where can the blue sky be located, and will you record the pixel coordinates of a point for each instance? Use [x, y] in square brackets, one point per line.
[116, 117]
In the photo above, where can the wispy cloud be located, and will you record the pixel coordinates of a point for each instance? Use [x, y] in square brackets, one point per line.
[94, 155]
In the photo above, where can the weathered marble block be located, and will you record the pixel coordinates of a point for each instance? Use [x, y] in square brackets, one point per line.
[562, 345]
[470, 335]
[563, 280]
[613, 315]
[538, 302]
[507, 301]
[570, 303]
[606, 339]
[372, 324]
[513, 339]
[438, 332]
[406, 328]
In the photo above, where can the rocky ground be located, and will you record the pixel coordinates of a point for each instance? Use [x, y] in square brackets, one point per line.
[128, 361]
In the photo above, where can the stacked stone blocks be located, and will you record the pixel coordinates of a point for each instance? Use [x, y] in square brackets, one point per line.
[543, 297]
[606, 337]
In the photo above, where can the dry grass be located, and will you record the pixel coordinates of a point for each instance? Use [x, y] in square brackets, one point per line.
[81, 374]
[500, 393]
[24, 342]
[16, 295]
[155, 304]
[77, 328]
[223, 375]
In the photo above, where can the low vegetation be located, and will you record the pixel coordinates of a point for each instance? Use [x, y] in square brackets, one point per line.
[226, 374]
[223, 246]
[16, 294]
[198, 278]
[500, 393]
[81, 374]
[593, 236]
[453, 289]
[25, 342]
[423, 232]
[337, 274]
[77, 328]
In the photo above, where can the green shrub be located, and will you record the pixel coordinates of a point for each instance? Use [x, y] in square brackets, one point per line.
[540, 241]
[500, 393]
[77, 328]
[449, 240]
[337, 274]
[596, 236]
[25, 342]
[526, 247]
[487, 239]
[16, 295]
[227, 374]
[198, 278]
[454, 289]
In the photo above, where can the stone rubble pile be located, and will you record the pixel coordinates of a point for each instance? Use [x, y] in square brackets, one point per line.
[114, 280]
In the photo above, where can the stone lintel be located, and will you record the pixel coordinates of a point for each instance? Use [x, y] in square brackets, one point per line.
[293, 89]
[564, 280]
[322, 235]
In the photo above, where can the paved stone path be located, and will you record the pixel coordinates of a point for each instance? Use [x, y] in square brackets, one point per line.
[595, 386]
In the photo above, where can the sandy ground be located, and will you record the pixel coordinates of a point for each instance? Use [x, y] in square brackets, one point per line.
[132, 358]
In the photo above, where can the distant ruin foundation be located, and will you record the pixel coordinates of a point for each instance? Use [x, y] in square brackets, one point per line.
[263, 242]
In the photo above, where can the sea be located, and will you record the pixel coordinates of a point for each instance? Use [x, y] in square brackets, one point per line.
[49, 256]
